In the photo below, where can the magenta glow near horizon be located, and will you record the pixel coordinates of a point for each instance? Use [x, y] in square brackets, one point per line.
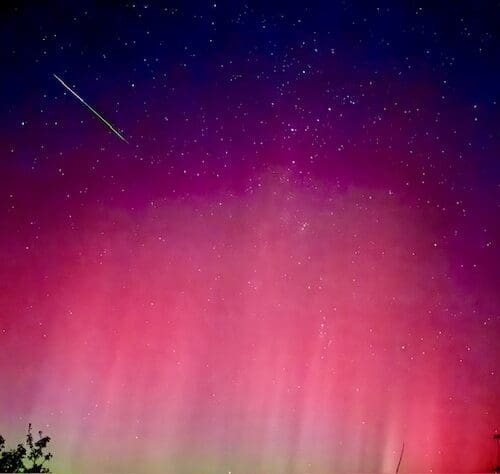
[292, 266]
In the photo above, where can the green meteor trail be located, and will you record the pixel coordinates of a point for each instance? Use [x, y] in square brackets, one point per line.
[99, 116]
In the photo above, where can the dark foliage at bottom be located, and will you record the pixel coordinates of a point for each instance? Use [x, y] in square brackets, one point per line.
[28, 457]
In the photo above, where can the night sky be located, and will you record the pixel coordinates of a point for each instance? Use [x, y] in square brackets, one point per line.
[293, 264]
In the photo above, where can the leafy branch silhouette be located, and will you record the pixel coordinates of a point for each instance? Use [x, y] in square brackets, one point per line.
[29, 458]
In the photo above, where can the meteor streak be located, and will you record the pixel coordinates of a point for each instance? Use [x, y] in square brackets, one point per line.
[99, 116]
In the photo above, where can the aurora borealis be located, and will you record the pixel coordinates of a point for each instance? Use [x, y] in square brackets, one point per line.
[292, 265]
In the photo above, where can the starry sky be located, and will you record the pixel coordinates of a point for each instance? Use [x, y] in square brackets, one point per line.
[292, 265]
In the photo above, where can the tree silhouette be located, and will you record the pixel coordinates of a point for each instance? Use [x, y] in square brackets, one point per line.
[29, 458]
